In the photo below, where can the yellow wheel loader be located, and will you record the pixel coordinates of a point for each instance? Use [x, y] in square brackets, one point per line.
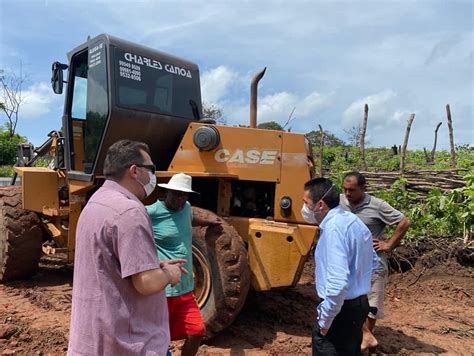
[251, 178]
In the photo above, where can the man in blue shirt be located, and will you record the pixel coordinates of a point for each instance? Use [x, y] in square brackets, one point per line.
[344, 260]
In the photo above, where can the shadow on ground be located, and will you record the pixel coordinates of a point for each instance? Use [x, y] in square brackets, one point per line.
[393, 341]
[278, 322]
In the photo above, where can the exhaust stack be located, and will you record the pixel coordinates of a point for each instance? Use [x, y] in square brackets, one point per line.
[253, 97]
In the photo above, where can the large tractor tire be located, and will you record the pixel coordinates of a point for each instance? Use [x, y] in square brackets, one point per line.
[221, 272]
[21, 237]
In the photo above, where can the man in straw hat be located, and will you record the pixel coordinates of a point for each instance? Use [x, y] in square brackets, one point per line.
[172, 221]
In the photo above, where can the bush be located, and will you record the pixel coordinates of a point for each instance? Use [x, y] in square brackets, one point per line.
[439, 214]
[8, 151]
[6, 171]
[8, 147]
[347, 158]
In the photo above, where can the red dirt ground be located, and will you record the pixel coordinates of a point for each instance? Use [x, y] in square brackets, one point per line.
[429, 310]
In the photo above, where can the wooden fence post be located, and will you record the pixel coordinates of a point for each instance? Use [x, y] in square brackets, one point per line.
[321, 147]
[430, 158]
[362, 137]
[435, 141]
[405, 143]
[451, 137]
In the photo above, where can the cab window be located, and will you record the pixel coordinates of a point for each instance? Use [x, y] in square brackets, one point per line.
[89, 106]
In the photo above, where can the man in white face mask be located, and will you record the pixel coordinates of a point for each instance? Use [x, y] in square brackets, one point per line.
[118, 298]
[344, 260]
[308, 210]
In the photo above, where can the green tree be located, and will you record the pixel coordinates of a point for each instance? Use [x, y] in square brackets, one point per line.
[329, 138]
[270, 125]
[8, 147]
[213, 112]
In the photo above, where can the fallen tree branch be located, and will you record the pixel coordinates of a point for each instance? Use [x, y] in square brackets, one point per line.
[417, 278]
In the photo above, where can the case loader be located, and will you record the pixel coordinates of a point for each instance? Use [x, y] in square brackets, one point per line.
[252, 178]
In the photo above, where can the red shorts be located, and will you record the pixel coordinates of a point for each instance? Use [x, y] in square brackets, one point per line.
[185, 317]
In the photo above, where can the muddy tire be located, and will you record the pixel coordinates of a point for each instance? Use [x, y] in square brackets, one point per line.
[21, 237]
[221, 272]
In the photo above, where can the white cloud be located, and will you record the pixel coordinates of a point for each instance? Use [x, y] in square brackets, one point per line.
[313, 103]
[215, 83]
[381, 107]
[38, 101]
[387, 118]
[278, 107]
[400, 116]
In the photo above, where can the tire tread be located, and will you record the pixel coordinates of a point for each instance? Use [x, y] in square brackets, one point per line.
[21, 237]
[234, 272]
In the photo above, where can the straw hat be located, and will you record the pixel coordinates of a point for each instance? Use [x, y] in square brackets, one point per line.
[181, 182]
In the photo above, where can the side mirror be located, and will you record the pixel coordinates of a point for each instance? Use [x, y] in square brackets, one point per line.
[57, 77]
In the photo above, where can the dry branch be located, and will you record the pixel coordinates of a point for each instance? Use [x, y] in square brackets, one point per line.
[420, 182]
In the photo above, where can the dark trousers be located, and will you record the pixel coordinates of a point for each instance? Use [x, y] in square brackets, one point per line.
[345, 334]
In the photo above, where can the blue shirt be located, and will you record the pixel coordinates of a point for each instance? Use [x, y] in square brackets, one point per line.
[173, 235]
[344, 260]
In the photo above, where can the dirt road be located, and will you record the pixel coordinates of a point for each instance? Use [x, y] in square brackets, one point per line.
[429, 310]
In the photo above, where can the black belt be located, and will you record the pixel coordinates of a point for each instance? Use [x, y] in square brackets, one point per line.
[353, 302]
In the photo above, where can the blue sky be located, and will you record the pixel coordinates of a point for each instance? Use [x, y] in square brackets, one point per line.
[323, 58]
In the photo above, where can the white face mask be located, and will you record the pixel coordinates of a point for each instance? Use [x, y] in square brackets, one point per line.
[150, 186]
[308, 214]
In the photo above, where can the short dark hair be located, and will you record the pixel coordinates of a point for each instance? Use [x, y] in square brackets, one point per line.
[361, 182]
[121, 155]
[323, 187]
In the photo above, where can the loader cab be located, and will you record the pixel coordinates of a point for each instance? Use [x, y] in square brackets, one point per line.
[119, 90]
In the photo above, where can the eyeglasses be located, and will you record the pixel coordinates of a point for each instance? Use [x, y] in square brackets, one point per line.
[150, 167]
